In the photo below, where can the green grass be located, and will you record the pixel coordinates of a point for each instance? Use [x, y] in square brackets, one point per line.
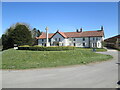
[90, 49]
[25, 59]
[101, 50]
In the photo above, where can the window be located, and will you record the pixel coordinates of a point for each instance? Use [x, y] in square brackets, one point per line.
[93, 38]
[94, 44]
[96, 38]
[55, 39]
[83, 39]
[83, 44]
[74, 39]
[59, 39]
[98, 44]
[42, 40]
[42, 44]
[49, 40]
[74, 44]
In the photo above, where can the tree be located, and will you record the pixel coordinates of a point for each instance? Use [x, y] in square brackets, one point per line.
[19, 34]
[7, 40]
[35, 33]
[38, 33]
[0, 43]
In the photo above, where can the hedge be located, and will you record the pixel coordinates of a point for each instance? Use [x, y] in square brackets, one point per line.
[41, 48]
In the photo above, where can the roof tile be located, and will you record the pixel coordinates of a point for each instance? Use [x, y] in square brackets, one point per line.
[74, 34]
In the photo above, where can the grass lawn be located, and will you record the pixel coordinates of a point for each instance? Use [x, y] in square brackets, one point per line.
[90, 49]
[22, 59]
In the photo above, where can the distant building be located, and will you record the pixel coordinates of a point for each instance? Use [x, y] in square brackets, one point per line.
[113, 42]
[79, 38]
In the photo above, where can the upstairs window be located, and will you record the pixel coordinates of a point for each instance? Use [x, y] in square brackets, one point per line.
[42, 40]
[96, 38]
[93, 38]
[59, 39]
[83, 39]
[74, 39]
[55, 39]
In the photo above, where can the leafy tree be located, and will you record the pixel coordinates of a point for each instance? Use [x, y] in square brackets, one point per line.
[0, 43]
[7, 41]
[35, 33]
[38, 33]
[19, 34]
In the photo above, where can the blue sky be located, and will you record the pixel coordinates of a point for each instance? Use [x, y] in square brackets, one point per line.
[65, 16]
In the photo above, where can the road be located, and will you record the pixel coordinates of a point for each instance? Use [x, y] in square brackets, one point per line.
[0, 70]
[95, 75]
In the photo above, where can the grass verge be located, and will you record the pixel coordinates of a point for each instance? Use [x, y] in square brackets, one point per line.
[91, 49]
[25, 59]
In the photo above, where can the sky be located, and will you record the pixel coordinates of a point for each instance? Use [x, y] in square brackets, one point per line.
[65, 16]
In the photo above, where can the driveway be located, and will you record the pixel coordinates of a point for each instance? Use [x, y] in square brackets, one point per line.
[95, 75]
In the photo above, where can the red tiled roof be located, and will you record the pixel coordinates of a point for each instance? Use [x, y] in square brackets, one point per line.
[112, 38]
[63, 34]
[43, 35]
[75, 34]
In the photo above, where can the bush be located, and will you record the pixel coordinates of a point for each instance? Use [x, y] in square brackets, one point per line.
[24, 46]
[41, 48]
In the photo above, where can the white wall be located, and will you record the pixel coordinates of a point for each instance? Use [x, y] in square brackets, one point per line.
[66, 42]
[40, 42]
[78, 41]
[57, 36]
[98, 42]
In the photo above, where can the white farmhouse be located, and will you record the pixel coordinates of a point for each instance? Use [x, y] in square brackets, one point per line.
[88, 39]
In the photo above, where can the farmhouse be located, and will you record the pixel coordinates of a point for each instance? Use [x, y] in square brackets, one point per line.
[79, 38]
[113, 42]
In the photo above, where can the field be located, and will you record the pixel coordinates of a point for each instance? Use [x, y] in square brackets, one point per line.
[25, 59]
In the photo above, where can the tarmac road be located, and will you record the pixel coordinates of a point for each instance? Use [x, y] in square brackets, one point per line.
[95, 75]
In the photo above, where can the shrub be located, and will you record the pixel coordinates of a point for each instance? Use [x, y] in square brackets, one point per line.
[24, 46]
[41, 48]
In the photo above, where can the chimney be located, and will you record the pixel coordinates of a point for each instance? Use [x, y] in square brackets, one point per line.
[101, 27]
[58, 30]
[77, 30]
[80, 29]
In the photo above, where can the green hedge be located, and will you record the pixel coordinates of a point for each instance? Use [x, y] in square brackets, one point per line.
[41, 48]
